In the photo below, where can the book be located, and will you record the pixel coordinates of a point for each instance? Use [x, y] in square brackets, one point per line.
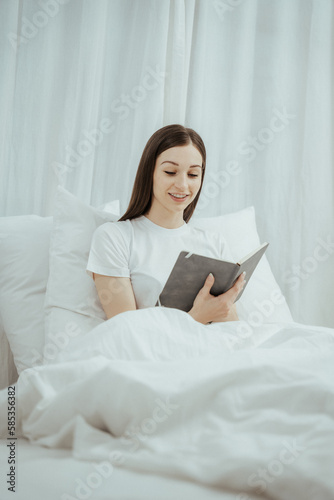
[191, 270]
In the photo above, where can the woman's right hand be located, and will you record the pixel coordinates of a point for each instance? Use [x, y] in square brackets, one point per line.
[207, 307]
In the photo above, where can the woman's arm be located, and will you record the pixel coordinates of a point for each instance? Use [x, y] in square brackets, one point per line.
[115, 294]
[207, 308]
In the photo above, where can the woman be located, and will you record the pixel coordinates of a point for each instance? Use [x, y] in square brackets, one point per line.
[130, 260]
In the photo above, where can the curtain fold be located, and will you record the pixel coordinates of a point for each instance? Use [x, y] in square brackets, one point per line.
[84, 84]
[179, 47]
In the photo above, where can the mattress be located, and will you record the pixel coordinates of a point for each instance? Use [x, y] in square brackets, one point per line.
[53, 474]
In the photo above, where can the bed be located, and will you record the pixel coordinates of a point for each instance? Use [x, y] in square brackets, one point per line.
[151, 404]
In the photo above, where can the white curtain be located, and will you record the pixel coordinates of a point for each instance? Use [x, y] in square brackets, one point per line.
[84, 83]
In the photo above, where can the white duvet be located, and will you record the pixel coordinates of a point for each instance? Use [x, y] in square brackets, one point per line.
[249, 411]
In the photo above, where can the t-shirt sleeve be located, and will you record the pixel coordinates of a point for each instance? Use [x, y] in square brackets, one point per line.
[109, 252]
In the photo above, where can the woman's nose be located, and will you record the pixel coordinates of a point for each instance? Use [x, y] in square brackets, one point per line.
[180, 182]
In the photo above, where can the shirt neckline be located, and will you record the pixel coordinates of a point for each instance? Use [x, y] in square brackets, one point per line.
[159, 229]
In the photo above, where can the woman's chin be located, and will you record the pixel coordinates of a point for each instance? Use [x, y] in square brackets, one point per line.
[179, 208]
[176, 205]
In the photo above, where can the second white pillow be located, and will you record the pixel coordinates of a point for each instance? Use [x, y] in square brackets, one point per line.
[71, 304]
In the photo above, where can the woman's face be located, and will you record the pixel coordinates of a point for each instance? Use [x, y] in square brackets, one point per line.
[176, 179]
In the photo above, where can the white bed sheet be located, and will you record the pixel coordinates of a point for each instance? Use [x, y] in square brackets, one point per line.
[52, 474]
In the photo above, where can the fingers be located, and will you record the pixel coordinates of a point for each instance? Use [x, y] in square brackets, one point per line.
[241, 279]
[233, 292]
[240, 283]
[208, 283]
[209, 280]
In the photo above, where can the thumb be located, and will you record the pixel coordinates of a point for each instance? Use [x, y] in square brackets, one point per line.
[209, 282]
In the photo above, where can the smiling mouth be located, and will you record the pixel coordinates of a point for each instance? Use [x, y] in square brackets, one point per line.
[178, 197]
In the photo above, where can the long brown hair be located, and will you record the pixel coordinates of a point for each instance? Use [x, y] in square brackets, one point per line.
[164, 138]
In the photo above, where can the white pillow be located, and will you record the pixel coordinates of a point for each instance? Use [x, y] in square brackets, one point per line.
[262, 300]
[8, 372]
[72, 306]
[24, 269]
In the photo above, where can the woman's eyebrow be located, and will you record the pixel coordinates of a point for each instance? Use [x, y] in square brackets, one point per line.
[173, 163]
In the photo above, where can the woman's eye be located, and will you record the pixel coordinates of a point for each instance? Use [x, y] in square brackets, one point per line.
[173, 173]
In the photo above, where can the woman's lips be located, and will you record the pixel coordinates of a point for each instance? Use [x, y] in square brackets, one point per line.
[178, 200]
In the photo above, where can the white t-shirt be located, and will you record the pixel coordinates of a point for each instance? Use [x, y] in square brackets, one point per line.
[146, 253]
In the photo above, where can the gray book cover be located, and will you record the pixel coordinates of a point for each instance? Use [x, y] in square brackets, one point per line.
[191, 270]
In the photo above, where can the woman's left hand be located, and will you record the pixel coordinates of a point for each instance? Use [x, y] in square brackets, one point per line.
[207, 308]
